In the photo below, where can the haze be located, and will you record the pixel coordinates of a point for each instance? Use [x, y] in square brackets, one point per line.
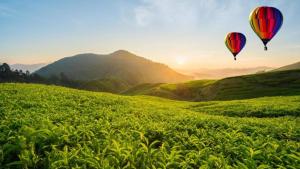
[183, 34]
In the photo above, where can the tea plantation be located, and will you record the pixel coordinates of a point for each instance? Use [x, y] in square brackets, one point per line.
[55, 127]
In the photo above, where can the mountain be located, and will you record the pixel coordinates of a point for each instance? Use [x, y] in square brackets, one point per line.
[289, 67]
[121, 65]
[282, 83]
[223, 73]
[29, 67]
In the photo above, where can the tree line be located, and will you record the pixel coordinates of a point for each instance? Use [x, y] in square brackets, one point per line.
[8, 75]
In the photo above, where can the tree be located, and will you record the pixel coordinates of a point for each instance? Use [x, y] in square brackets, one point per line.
[27, 73]
[4, 68]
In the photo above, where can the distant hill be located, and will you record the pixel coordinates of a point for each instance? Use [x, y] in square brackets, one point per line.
[120, 65]
[281, 83]
[30, 67]
[294, 66]
[225, 72]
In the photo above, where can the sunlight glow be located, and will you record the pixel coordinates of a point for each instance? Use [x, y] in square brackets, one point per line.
[180, 60]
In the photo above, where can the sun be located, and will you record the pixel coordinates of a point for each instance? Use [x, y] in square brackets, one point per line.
[180, 60]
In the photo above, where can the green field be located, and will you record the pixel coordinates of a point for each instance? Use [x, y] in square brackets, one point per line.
[55, 127]
[281, 83]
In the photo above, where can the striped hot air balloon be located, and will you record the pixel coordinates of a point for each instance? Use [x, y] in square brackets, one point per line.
[235, 42]
[266, 22]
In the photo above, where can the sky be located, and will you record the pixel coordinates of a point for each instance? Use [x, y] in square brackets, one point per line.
[185, 34]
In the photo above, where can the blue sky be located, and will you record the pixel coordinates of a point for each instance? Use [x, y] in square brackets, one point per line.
[186, 34]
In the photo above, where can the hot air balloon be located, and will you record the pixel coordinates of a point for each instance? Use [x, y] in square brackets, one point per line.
[235, 42]
[266, 22]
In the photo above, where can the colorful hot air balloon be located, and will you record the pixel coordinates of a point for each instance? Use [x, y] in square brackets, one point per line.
[235, 42]
[266, 22]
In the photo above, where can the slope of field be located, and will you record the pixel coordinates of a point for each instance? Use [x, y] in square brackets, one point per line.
[54, 127]
[180, 91]
[283, 83]
[294, 66]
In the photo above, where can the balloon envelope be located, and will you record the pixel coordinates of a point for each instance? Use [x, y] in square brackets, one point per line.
[235, 42]
[266, 22]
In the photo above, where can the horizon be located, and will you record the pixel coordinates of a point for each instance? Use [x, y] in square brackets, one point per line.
[47, 63]
[182, 35]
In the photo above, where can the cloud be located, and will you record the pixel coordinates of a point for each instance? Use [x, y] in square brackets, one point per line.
[164, 11]
[195, 12]
[143, 16]
[183, 12]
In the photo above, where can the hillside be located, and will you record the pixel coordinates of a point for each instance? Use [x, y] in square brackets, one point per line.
[283, 83]
[54, 127]
[224, 73]
[120, 65]
[294, 66]
[105, 85]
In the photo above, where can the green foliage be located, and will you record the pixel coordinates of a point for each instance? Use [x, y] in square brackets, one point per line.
[54, 127]
[260, 107]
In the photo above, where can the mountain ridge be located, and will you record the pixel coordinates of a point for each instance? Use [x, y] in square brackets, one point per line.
[120, 64]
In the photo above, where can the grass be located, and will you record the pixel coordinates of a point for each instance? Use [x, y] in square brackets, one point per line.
[259, 107]
[283, 83]
[54, 127]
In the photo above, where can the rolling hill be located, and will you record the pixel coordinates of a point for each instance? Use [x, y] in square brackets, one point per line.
[120, 65]
[294, 66]
[54, 127]
[224, 73]
[280, 83]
